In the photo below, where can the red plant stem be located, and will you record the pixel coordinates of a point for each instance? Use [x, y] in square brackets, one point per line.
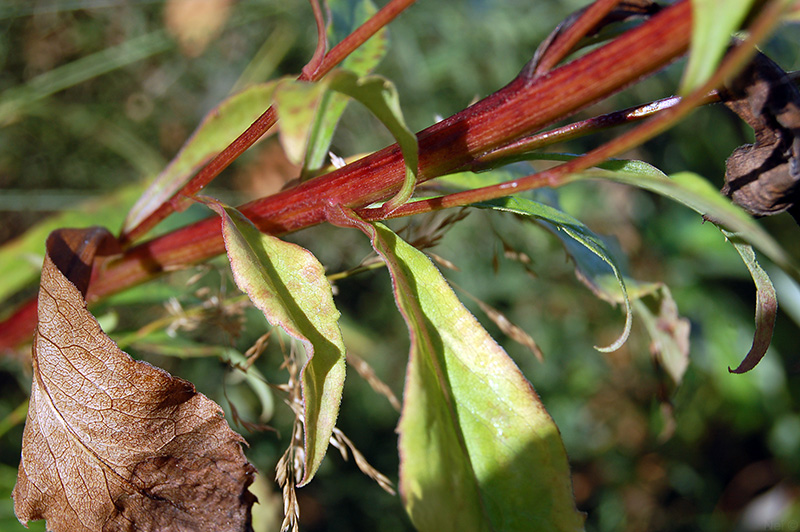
[566, 41]
[559, 175]
[515, 151]
[322, 42]
[264, 122]
[512, 111]
[522, 106]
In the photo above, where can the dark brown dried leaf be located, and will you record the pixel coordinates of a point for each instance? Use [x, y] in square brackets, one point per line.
[116, 444]
[764, 178]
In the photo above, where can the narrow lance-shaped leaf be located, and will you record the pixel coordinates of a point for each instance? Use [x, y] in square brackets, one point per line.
[697, 193]
[478, 450]
[111, 443]
[562, 224]
[766, 305]
[288, 284]
[218, 129]
[668, 331]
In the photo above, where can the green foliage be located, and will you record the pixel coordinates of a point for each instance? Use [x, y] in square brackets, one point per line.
[713, 23]
[219, 128]
[477, 447]
[766, 306]
[563, 224]
[472, 428]
[289, 286]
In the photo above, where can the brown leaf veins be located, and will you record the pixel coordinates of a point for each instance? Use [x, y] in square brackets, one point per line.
[111, 443]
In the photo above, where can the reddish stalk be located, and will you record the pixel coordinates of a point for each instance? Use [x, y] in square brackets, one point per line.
[566, 41]
[559, 175]
[322, 42]
[264, 122]
[523, 106]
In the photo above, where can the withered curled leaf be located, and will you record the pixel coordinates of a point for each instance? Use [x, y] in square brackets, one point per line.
[764, 178]
[111, 443]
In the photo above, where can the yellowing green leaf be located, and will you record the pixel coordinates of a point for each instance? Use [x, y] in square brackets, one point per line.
[713, 23]
[296, 103]
[219, 128]
[478, 450]
[288, 284]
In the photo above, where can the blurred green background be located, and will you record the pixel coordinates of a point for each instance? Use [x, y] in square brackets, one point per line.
[97, 95]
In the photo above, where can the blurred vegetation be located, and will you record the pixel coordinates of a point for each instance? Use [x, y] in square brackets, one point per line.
[97, 95]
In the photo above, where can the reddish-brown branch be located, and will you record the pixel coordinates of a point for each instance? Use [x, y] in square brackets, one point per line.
[566, 41]
[558, 175]
[264, 122]
[322, 42]
[518, 109]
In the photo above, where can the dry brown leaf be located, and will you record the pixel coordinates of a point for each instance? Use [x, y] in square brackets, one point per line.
[111, 443]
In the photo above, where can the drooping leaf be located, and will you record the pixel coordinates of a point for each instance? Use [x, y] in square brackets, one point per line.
[699, 195]
[766, 305]
[288, 284]
[478, 450]
[576, 238]
[379, 95]
[218, 129]
[713, 23]
[111, 443]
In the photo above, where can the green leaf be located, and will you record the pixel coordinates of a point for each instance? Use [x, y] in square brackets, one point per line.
[297, 104]
[220, 127]
[699, 195]
[288, 284]
[766, 305]
[478, 450]
[380, 96]
[571, 231]
[713, 23]
[346, 17]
